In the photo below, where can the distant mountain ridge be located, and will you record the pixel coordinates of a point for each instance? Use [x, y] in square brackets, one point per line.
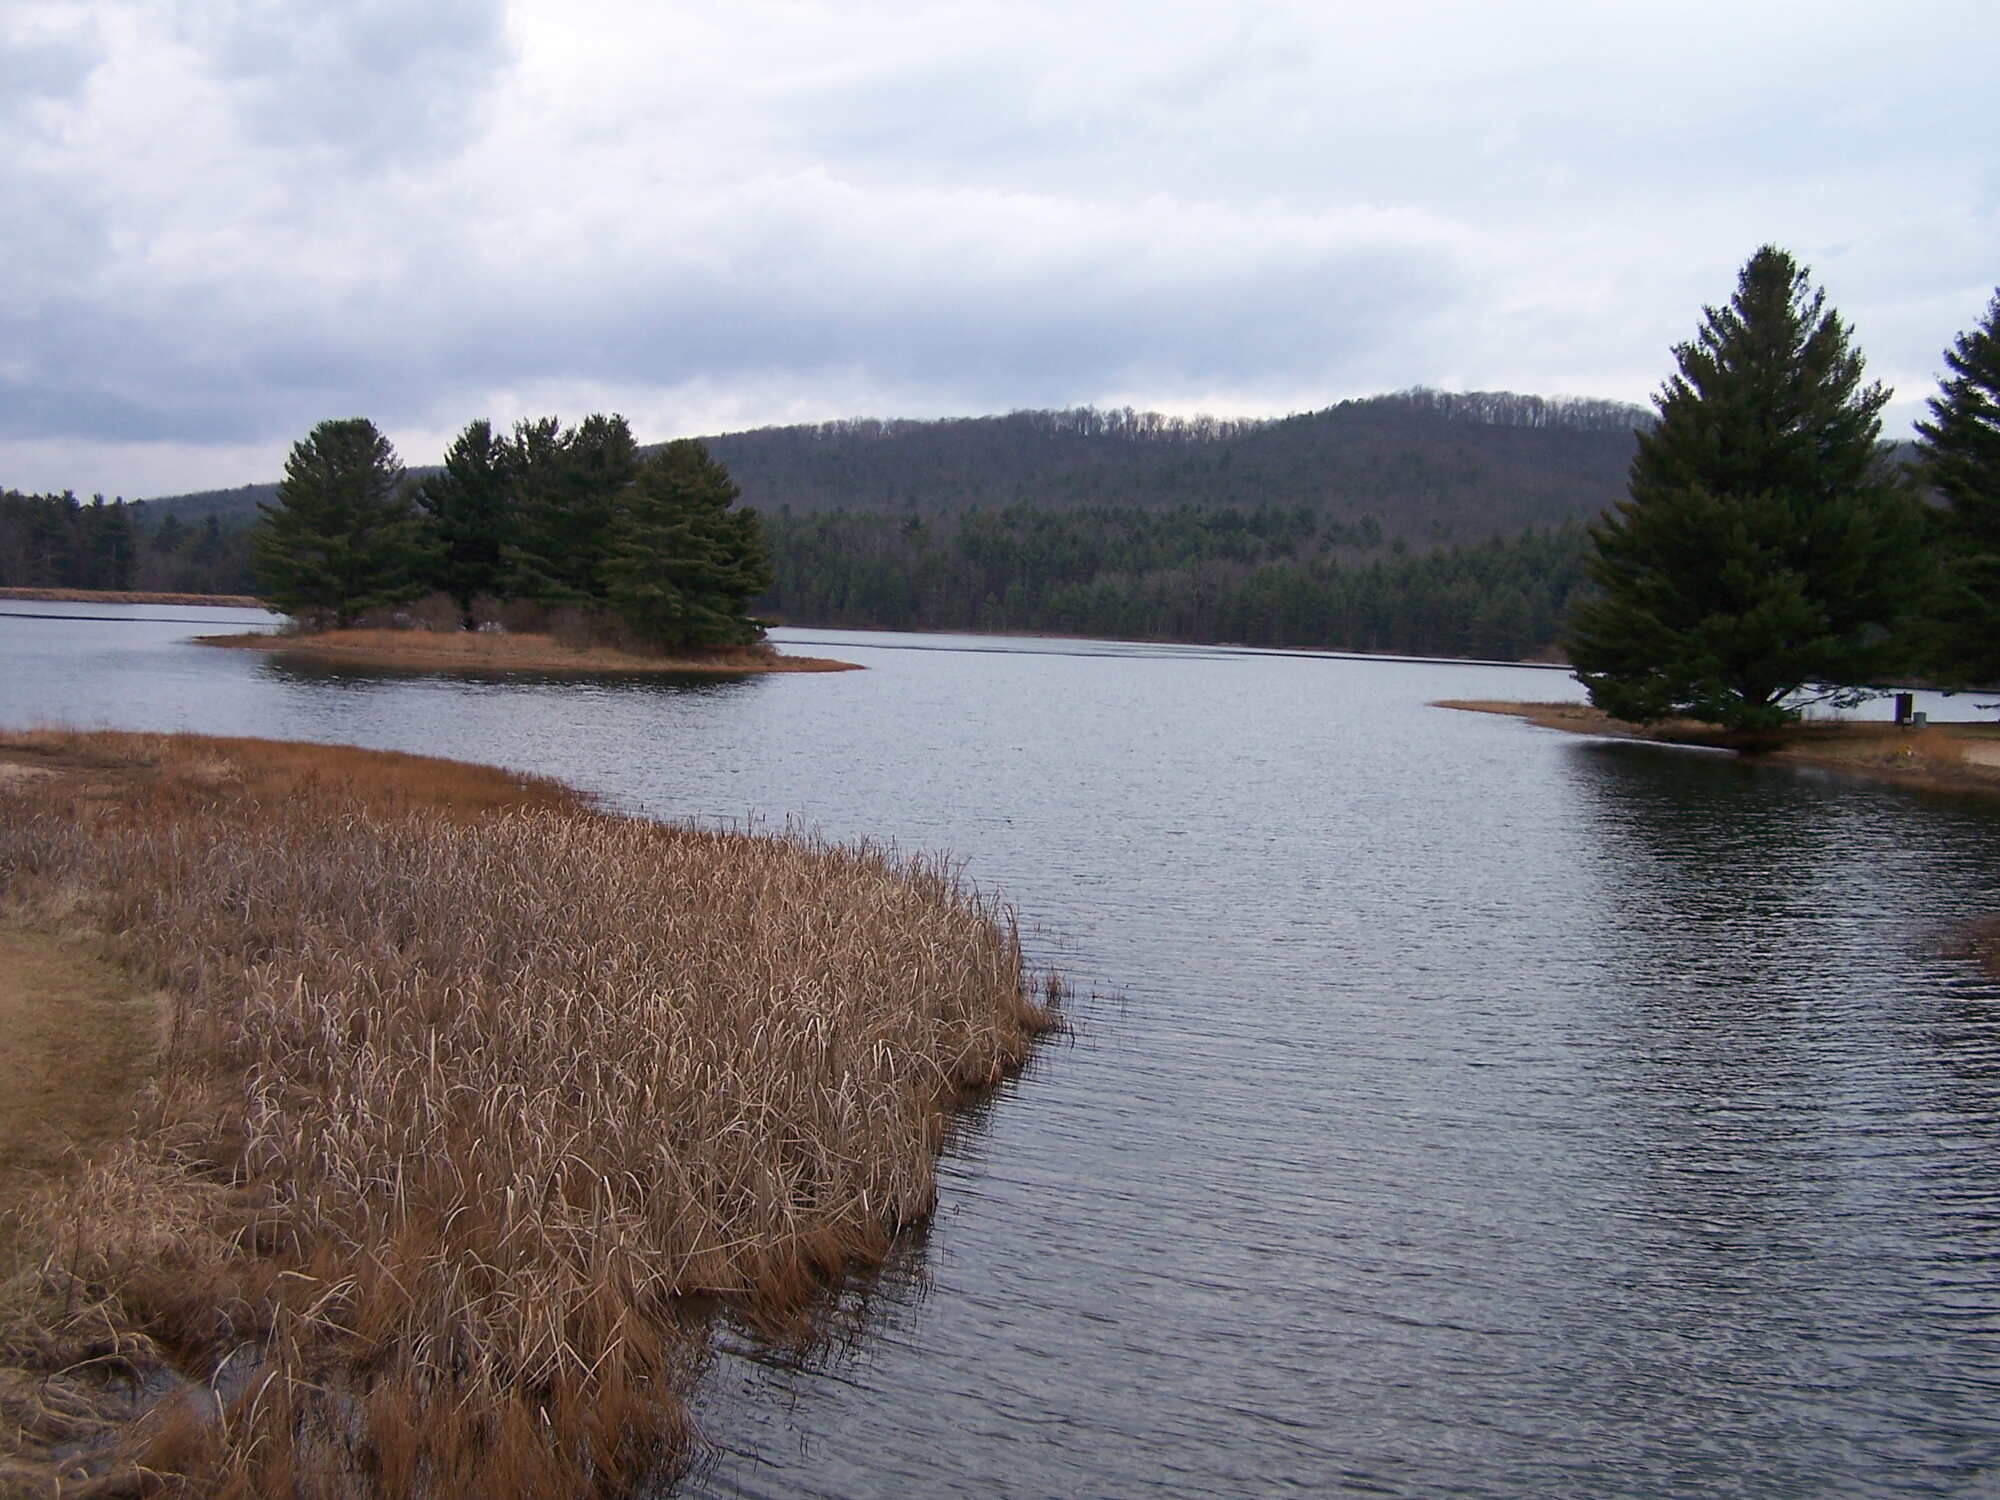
[1429, 465]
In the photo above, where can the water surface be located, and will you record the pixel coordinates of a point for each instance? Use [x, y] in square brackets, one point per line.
[1457, 1108]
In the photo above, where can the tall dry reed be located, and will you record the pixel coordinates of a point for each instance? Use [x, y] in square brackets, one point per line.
[455, 1116]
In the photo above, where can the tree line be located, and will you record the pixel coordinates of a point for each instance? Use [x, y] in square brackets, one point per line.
[1263, 576]
[60, 542]
[647, 547]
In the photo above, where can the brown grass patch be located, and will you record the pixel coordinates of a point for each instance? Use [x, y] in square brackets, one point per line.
[460, 1122]
[482, 650]
[76, 1038]
[126, 596]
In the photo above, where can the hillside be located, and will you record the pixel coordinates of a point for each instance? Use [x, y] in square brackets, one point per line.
[1428, 465]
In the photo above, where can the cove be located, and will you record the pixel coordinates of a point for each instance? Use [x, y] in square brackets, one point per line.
[1456, 1108]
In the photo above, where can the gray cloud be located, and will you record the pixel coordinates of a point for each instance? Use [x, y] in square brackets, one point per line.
[379, 81]
[232, 219]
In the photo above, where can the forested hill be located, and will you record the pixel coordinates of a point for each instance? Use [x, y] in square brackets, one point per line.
[1428, 464]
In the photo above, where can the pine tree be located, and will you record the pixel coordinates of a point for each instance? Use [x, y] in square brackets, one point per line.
[1767, 545]
[469, 508]
[684, 565]
[568, 486]
[342, 538]
[1960, 446]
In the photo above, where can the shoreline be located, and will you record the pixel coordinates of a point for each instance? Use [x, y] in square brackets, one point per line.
[1330, 653]
[341, 1122]
[1961, 757]
[482, 651]
[131, 596]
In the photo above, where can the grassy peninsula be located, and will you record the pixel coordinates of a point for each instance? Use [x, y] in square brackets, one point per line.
[435, 1111]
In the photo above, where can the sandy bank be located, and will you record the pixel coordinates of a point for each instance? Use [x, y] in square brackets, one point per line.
[492, 651]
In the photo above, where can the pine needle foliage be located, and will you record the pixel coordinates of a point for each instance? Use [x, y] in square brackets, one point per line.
[569, 483]
[469, 507]
[1767, 544]
[1960, 447]
[343, 538]
[684, 565]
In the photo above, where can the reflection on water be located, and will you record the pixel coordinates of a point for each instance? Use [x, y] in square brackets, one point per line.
[1481, 1112]
[302, 669]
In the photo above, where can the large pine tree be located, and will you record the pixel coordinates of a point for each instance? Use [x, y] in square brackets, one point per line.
[1961, 459]
[1768, 544]
[342, 538]
[684, 565]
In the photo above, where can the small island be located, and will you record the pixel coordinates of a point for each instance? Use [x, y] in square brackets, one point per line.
[549, 549]
[500, 651]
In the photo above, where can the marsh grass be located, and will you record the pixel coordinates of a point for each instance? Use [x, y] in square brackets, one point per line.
[459, 1118]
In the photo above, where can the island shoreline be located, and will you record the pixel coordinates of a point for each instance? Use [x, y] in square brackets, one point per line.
[500, 651]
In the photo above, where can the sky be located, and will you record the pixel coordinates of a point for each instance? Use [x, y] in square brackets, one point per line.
[223, 221]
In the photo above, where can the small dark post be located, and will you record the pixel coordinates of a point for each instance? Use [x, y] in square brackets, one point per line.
[1905, 704]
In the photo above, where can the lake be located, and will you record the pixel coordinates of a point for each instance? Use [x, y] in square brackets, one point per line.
[1456, 1108]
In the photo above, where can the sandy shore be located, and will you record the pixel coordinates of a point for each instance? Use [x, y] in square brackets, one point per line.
[481, 651]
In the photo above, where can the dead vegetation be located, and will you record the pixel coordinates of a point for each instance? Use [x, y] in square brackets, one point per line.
[478, 650]
[460, 1122]
[129, 596]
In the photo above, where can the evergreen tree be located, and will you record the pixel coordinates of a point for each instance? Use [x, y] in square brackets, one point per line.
[469, 508]
[1767, 543]
[568, 484]
[684, 565]
[1960, 446]
[108, 550]
[342, 538]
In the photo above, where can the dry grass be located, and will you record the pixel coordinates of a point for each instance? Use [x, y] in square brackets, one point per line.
[459, 1121]
[75, 1047]
[463, 650]
[127, 596]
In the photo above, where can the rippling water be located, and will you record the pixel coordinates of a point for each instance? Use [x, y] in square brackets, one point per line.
[1457, 1108]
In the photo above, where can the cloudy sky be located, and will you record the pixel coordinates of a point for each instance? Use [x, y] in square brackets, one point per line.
[225, 220]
